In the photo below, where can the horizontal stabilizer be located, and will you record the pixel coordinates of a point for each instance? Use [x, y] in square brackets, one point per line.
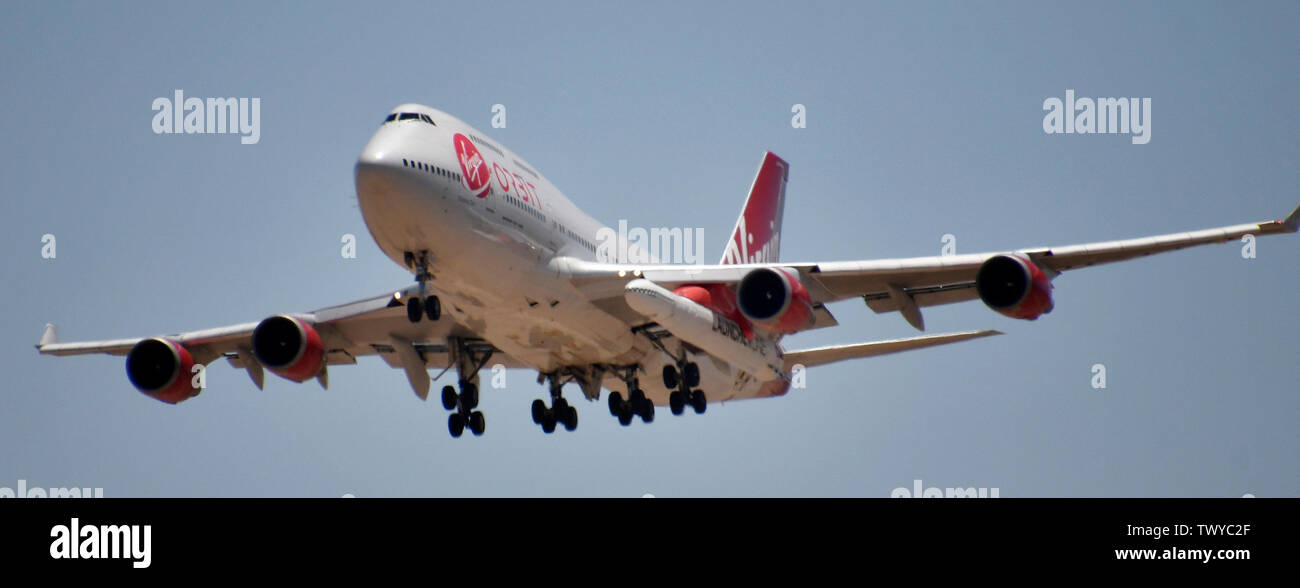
[834, 353]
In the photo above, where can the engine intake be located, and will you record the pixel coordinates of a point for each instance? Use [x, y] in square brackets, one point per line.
[289, 347]
[161, 369]
[773, 298]
[1014, 286]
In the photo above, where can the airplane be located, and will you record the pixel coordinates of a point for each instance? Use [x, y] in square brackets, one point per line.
[510, 271]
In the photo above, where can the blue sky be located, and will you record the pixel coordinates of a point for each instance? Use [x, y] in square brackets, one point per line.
[923, 119]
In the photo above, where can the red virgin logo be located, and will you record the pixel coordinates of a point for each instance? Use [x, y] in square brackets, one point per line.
[473, 167]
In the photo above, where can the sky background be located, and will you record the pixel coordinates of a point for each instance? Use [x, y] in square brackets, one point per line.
[923, 119]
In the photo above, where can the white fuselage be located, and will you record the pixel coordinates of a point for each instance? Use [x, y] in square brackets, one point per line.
[421, 186]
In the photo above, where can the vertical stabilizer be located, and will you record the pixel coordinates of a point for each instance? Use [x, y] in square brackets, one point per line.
[757, 236]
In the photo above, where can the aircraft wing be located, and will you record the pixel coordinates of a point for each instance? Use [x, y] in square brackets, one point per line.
[371, 326]
[904, 284]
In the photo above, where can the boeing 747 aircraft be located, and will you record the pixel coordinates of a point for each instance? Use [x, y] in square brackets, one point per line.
[510, 271]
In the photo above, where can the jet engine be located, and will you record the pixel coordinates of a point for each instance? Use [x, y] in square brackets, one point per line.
[1014, 286]
[162, 369]
[289, 347]
[773, 298]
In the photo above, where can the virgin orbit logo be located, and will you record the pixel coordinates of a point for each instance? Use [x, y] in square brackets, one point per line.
[472, 165]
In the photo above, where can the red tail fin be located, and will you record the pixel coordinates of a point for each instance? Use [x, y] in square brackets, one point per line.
[757, 237]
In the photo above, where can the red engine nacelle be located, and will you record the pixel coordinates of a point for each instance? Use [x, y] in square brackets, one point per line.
[162, 369]
[720, 299]
[289, 347]
[1014, 286]
[773, 298]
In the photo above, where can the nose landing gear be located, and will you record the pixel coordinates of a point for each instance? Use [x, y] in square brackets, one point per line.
[424, 304]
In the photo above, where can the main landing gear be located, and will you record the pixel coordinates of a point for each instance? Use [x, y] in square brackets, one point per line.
[682, 379]
[421, 305]
[636, 403]
[560, 412]
[469, 359]
[462, 406]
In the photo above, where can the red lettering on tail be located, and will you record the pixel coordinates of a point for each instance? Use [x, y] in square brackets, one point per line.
[757, 237]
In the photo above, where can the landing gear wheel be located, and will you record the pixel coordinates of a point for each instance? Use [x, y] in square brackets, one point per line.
[433, 308]
[698, 402]
[647, 412]
[691, 373]
[570, 418]
[625, 414]
[670, 377]
[615, 401]
[561, 407]
[470, 357]
[548, 421]
[469, 396]
[414, 309]
[539, 411]
[677, 402]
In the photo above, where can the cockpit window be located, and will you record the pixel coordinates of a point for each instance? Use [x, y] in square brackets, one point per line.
[409, 116]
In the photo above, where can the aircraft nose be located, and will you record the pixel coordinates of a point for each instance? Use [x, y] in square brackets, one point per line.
[376, 155]
[379, 164]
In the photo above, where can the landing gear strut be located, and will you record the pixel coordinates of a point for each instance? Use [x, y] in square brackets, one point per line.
[559, 412]
[637, 404]
[421, 305]
[469, 360]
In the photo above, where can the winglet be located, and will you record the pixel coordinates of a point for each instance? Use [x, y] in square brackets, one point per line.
[50, 336]
[1292, 222]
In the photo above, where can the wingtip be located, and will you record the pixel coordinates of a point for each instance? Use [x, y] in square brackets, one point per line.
[49, 336]
[1292, 222]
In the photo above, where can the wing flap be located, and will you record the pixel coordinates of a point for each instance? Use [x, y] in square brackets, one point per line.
[925, 296]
